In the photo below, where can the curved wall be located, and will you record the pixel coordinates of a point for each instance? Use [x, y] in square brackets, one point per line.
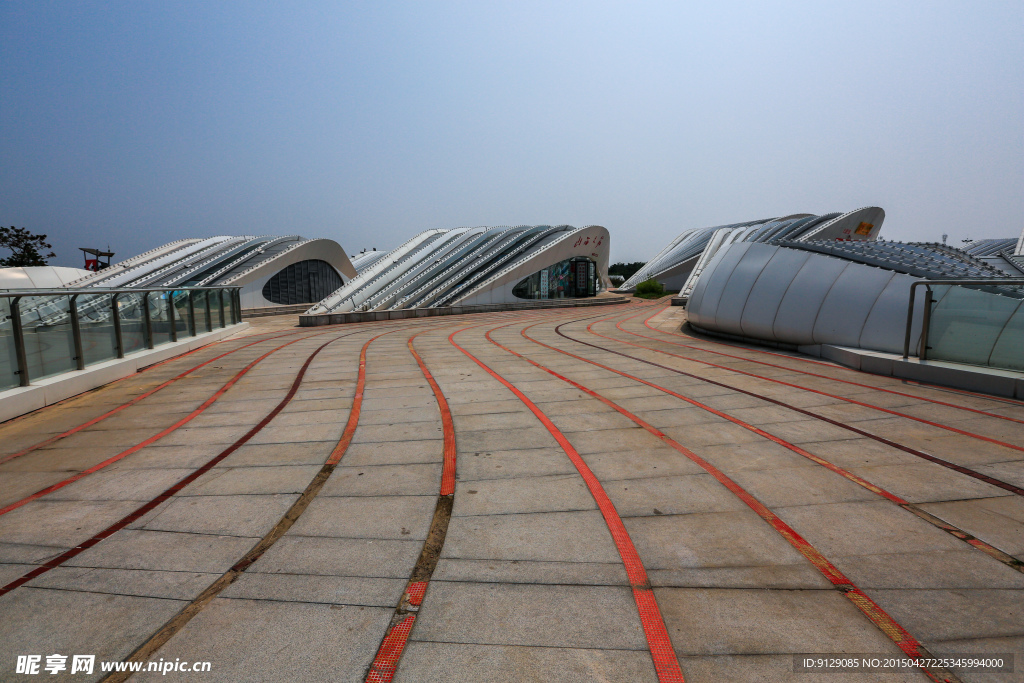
[773, 293]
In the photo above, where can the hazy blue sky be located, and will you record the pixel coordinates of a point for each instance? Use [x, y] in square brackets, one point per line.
[136, 123]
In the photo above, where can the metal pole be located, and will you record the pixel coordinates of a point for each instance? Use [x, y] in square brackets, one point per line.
[170, 316]
[148, 320]
[118, 340]
[19, 342]
[209, 313]
[76, 332]
[926, 319]
[191, 313]
[910, 321]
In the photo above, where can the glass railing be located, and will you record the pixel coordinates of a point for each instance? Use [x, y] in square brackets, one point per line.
[979, 322]
[44, 333]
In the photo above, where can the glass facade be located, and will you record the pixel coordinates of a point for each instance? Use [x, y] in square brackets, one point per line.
[574, 278]
[977, 327]
[305, 282]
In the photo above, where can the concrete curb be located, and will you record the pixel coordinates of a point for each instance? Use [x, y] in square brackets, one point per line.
[41, 393]
[374, 316]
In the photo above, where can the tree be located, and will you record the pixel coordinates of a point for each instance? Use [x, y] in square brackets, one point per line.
[26, 249]
[626, 270]
[649, 289]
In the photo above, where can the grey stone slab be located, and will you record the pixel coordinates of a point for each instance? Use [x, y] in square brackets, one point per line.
[384, 480]
[123, 484]
[999, 521]
[249, 516]
[526, 571]
[522, 494]
[714, 434]
[324, 556]
[43, 621]
[938, 614]
[713, 540]
[10, 572]
[471, 466]
[336, 590]
[398, 517]
[716, 621]
[490, 421]
[866, 528]
[863, 452]
[60, 522]
[162, 551]
[800, 486]
[397, 433]
[524, 614]
[504, 439]
[670, 495]
[254, 640]
[201, 436]
[953, 569]
[407, 452]
[299, 433]
[266, 455]
[923, 482]
[505, 405]
[1011, 472]
[429, 662]
[157, 456]
[175, 585]
[403, 416]
[549, 536]
[228, 481]
[649, 461]
[24, 553]
[773, 576]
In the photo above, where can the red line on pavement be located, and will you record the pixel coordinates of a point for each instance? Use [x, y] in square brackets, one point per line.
[876, 614]
[666, 664]
[174, 489]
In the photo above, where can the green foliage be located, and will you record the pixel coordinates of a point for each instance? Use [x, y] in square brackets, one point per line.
[26, 249]
[649, 289]
[626, 270]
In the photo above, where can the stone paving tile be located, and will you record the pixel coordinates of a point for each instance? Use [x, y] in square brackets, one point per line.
[999, 521]
[527, 571]
[716, 621]
[61, 523]
[550, 536]
[641, 462]
[800, 486]
[255, 640]
[278, 455]
[670, 495]
[224, 481]
[923, 481]
[503, 439]
[27, 553]
[387, 453]
[522, 494]
[236, 515]
[939, 614]
[384, 480]
[397, 433]
[429, 662]
[326, 556]
[120, 484]
[107, 626]
[165, 551]
[174, 585]
[524, 614]
[966, 568]
[335, 590]
[529, 462]
[396, 517]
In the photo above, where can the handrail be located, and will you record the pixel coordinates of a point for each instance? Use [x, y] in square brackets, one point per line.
[926, 317]
[17, 328]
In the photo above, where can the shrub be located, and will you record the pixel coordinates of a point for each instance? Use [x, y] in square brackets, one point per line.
[650, 289]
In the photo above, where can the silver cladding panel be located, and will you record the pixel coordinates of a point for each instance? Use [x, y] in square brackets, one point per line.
[749, 289]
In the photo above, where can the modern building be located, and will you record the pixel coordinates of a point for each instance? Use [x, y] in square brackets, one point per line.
[480, 265]
[271, 271]
[805, 293]
[678, 265]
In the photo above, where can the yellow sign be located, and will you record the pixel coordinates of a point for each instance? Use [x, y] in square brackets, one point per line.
[863, 229]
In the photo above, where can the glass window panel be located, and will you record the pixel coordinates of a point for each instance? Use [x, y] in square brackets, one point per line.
[96, 321]
[569, 279]
[181, 317]
[49, 346]
[8, 355]
[200, 305]
[966, 324]
[1008, 351]
[158, 318]
[133, 324]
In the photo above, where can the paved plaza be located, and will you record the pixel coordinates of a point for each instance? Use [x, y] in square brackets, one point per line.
[547, 495]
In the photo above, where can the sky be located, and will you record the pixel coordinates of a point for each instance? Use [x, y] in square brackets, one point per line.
[132, 124]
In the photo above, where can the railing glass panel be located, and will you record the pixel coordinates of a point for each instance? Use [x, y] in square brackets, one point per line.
[200, 306]
[181, 316]
[49, 344]
[96, 320]
[8, 353]
[977, 327]
[158, 320]
[133, 322]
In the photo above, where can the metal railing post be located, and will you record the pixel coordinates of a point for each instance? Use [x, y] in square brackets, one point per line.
[209, 313]
[926, 319]
[147, 320]
[76, 332]
[170, 316]
[19, 342]
[118, 339]
[191, 313]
